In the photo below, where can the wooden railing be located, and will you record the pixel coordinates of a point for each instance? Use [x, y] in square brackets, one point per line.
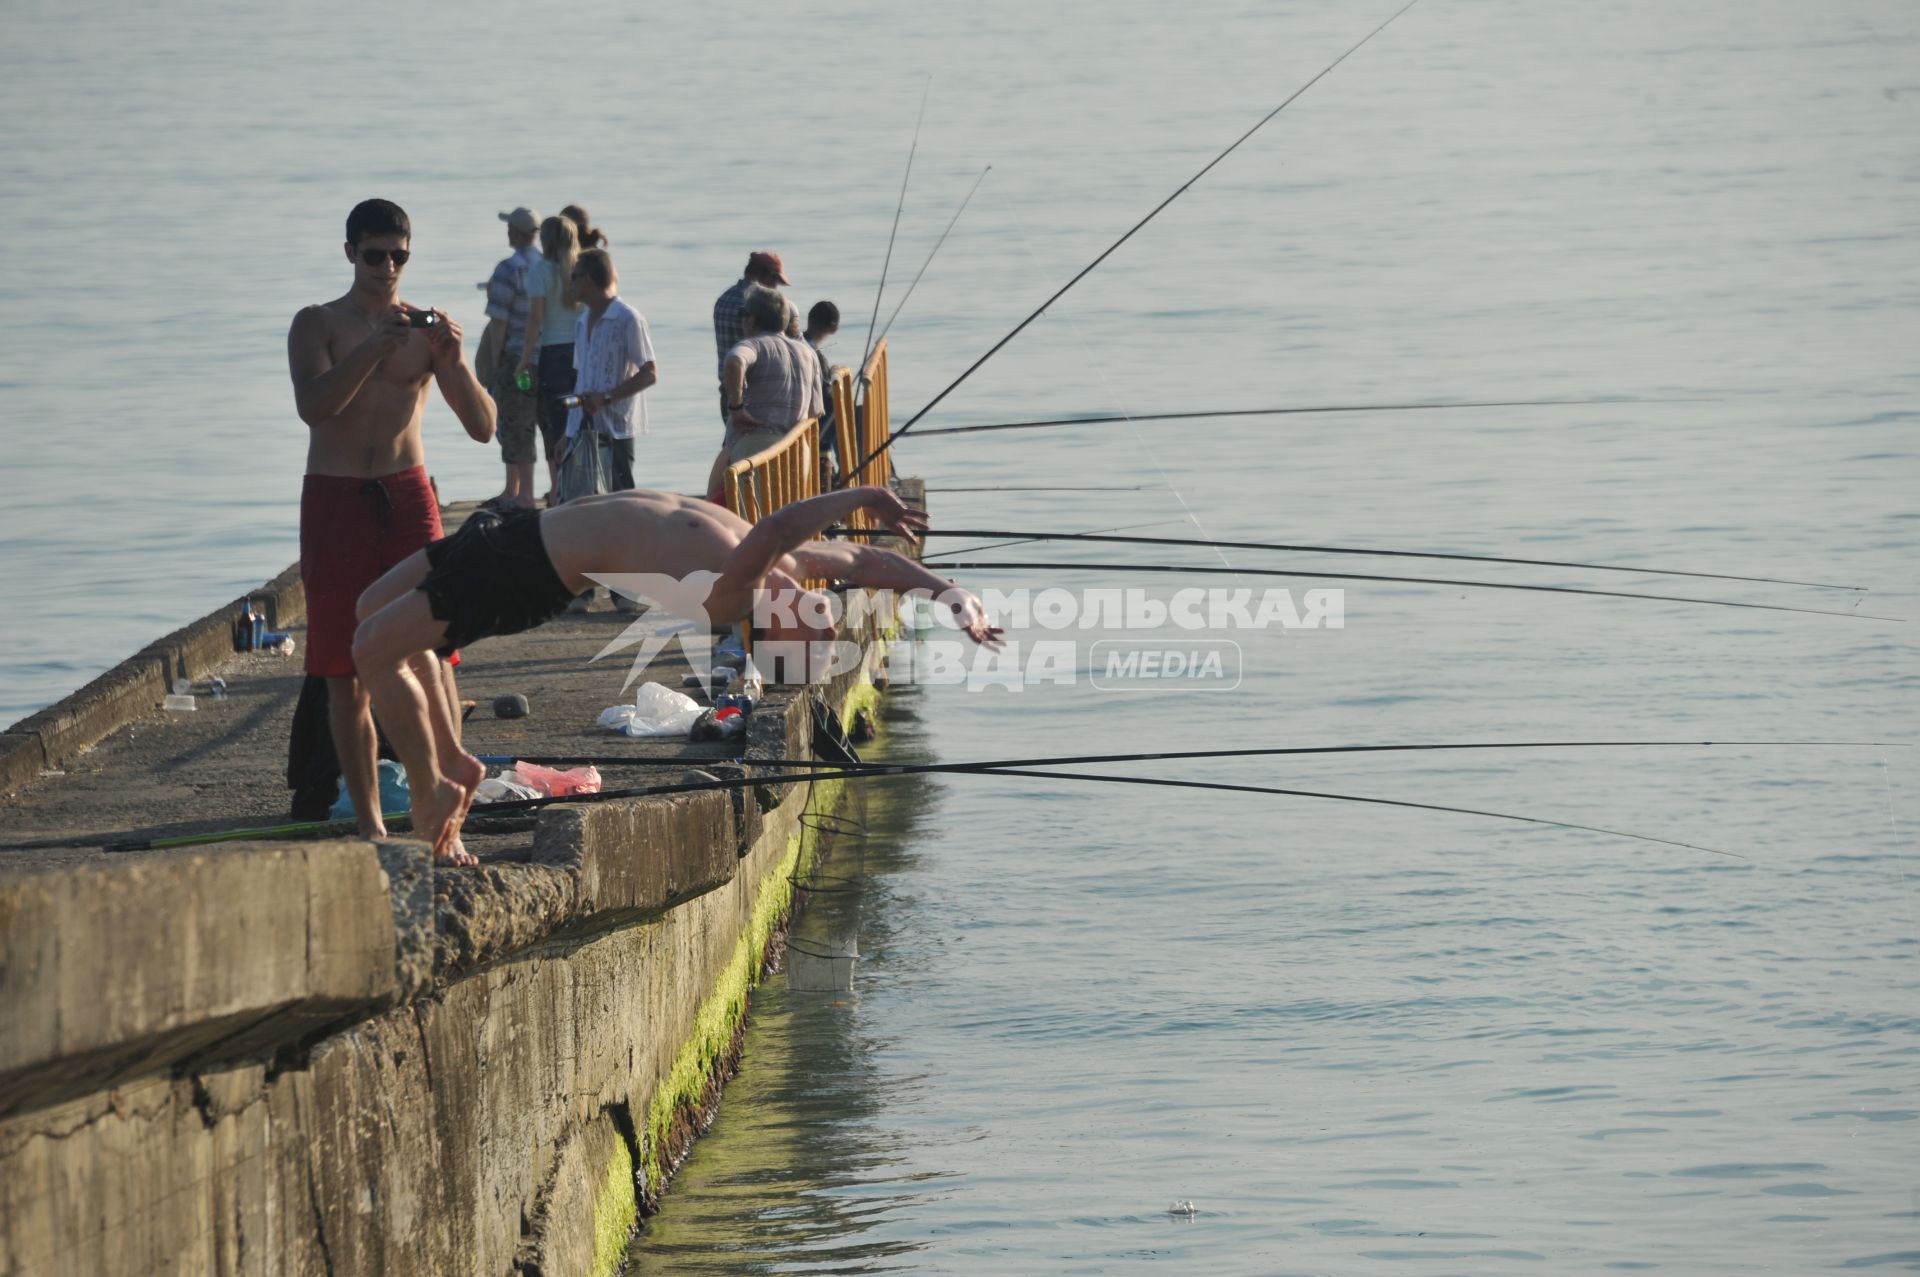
[846, 424]
[793, 470]
[777, 475]
[871, 427]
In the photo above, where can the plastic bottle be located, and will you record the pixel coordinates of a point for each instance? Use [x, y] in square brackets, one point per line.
[524, 379]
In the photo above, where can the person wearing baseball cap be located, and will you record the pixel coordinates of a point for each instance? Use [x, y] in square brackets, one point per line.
[505, 337]
[764, 268]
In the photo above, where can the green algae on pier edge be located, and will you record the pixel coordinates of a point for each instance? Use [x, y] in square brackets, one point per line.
[721, 1014]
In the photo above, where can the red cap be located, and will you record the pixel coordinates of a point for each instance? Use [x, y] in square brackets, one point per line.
[764, 260]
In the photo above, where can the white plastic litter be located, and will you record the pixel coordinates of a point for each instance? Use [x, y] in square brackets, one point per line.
[656, 711]
[498, 789]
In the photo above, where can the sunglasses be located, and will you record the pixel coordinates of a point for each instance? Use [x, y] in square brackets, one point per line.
[379, 256]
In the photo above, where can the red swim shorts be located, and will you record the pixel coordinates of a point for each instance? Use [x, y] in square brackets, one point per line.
[352, 531]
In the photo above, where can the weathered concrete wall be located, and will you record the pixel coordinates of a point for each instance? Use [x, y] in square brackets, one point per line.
[330, 1058]
[480, 1129]
[111, 971]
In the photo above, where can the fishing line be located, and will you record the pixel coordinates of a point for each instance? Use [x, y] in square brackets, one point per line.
[1086, 353]
[1354, 798]
[1280, 412]
[1260, 751]
[1203, 570]
[930, 256]
[1028, 540]
[1111, 248]
[821, 770]
[1286, 547]
[888, 261]
[1117, 487]
[889, 770]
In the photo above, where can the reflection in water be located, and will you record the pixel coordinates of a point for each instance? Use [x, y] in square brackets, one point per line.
[800, 1167]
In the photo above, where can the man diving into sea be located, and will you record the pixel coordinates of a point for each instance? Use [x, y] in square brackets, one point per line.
[504, 572]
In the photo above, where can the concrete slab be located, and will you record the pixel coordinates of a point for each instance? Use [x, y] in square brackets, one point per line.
[114, 971]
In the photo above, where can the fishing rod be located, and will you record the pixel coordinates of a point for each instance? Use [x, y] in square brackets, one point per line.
[1402, 580]
[1111, 487]
[888, 262]
[817, 769]
[1024, 539]
[930, 256]
[648, 791]
[1106, 536]
[1111, 248]
[1264, 751]
[1281, 412]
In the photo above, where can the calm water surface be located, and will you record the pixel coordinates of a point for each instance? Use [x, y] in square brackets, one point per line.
[1359, 1039]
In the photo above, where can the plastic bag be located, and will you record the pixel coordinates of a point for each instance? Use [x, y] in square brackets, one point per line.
[499, 789]
[554, 782]
[585, 467]
[531, 780]
[656, 711]
[394, 796]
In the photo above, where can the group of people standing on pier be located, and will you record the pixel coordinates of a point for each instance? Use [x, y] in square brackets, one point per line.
[390, 599]
[563, 352]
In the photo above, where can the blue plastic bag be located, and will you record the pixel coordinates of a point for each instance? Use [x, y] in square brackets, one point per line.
[393, 793]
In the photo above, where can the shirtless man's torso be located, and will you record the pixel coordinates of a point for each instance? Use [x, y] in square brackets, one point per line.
[360, 365]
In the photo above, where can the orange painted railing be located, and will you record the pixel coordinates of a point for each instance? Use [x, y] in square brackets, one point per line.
[871, 427]
[776, 476]
[846, 424]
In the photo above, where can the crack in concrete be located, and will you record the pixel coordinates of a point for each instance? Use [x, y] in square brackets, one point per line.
[319, 1219]
[203, 1101]
[418, 1011]
[74, 1122]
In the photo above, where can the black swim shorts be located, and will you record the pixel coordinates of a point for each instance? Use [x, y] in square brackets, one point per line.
[492, 577]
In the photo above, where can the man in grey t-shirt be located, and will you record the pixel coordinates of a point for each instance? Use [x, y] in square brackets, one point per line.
[769, 381]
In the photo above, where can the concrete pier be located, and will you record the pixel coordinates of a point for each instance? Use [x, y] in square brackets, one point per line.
[331, 1057]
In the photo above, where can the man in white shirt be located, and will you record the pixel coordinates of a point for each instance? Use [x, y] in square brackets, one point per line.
[613, 362]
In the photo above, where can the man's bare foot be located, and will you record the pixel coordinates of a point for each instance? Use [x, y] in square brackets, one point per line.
[375, 828]
[465, 772]
[436, 815]
[457, 856]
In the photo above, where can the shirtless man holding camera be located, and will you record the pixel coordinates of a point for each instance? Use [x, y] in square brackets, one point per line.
[361, 364]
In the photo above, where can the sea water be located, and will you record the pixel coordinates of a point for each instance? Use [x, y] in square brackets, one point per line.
[1358, 1038]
